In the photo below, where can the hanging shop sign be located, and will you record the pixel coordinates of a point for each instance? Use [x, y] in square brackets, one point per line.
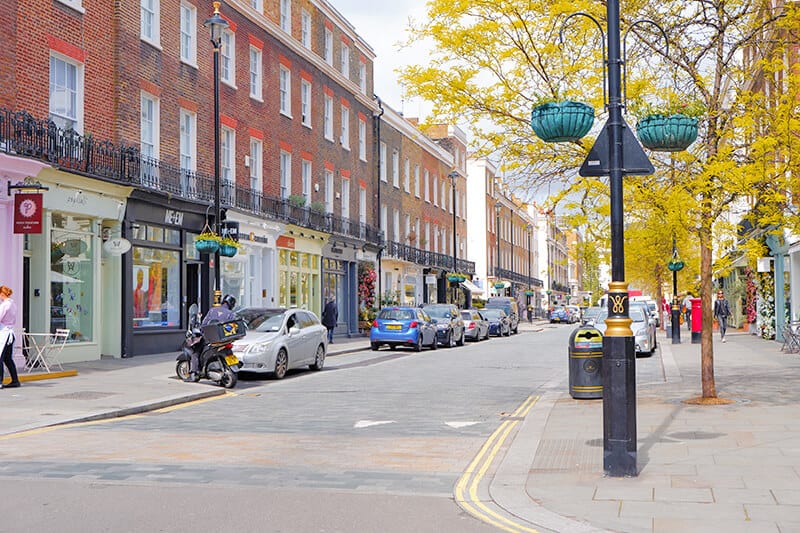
[116, 246]
[28, 213]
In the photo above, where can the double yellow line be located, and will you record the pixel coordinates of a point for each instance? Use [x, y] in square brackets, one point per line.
[466, 492]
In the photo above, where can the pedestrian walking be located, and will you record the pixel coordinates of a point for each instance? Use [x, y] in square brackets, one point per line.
[722, 310]
[330, 316]
[8, 319]
[687, 310]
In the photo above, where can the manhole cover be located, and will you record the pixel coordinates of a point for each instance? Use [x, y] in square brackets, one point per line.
[84, 395]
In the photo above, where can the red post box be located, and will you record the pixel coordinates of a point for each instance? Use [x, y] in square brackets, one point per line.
[697, 321]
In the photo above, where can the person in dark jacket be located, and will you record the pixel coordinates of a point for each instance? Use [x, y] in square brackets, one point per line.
[330, 316]
[722, 310]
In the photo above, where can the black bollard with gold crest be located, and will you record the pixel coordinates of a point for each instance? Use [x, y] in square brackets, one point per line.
[619, 386]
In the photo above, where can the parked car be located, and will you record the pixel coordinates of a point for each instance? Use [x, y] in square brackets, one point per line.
[475, 326]
[279, 340]
[510, 306]
[651, 322]
[403, 326]
[449, 324]
[652, 306]
[499, 324]
[574, 313]
[590, 315]
[640, 327]
[559, 314]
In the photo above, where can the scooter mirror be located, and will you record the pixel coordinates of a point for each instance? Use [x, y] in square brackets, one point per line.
[193, 309]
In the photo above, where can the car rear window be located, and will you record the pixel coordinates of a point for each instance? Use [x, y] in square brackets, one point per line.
[396, 314]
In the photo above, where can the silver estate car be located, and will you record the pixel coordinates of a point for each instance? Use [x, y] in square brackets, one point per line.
[279, 340]
[643, 334]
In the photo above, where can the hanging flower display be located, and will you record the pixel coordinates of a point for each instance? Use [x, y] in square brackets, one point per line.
[766, 306]
[751, 296]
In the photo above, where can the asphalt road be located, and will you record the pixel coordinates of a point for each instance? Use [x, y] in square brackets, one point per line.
[375, 442]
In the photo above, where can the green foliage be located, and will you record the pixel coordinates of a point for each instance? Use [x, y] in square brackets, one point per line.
[317, 206]
[690, 108]
[296, 200]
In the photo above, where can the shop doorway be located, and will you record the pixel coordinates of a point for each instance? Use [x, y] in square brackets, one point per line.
[26, 291]
[192, 291]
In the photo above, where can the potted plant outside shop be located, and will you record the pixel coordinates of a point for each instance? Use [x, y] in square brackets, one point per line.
[671, 128]
[562, 121]
[228, 247]
[207, 242]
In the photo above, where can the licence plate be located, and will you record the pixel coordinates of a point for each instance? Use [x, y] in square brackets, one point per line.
[231, 360]
[394, 326]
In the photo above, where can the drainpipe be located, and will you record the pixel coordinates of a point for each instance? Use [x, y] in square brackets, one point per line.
[378, 203]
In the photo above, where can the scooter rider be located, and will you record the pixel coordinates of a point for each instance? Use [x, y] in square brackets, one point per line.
[222, 313]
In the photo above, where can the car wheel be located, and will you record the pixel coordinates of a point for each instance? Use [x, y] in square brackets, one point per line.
[281, 364]
[418, 345]
[435, 344]
[508, 332]
[450, 340]
[516, 330]
[393, 347]
[374, 346]
[463, 338]
[319, 359]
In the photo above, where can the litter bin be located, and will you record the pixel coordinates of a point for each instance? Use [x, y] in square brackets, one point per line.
[585, 361]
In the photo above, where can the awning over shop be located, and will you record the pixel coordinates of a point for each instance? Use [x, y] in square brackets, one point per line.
[471, 287]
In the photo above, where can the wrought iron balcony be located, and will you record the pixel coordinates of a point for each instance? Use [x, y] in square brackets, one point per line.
[23, 135]
[502, 273]
[426, 258]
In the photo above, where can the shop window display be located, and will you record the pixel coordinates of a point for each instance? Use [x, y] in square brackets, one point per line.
[156, 287]
[72, 276]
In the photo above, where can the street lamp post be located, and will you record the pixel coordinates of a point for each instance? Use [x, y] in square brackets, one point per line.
[216, 24]
[497, 207]
[529, 229]
[675, 265]
[453, 177]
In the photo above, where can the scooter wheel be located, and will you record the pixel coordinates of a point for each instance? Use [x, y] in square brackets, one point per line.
[229, 379]
[182, 369]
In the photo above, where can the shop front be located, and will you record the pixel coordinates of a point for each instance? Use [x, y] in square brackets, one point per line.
[250, 275]
[72, 280]
[164, 274]
[340, 280]
[299, 268]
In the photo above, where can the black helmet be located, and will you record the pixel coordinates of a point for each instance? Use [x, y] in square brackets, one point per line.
[230, 301]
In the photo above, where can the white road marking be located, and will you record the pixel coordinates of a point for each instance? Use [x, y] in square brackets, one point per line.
[459, 425]
[367, 423]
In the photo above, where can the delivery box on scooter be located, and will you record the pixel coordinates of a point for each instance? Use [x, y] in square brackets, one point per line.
[224, 332]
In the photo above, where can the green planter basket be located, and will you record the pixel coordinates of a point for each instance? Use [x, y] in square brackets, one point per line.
[562, 121]
[226, 250]
[206, 247]
[457, 279]
[661, 133]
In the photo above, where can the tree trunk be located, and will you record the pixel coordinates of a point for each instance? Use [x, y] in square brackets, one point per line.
[706, 339]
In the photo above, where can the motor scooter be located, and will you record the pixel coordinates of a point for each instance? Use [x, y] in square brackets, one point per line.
[214, 342]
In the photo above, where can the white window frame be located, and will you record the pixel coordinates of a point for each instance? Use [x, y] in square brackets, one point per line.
[257, 5]
[426, 176]
[256, 73]
[305, 102]
[285, 88]
[60, 87]
[227, 145]
[436, 190]
[362, 205]
[384, 221]
[149, 124]
[150, 22]
[305, 28]
[305, 174]
[227, 52]
[407, 175]
[396, 225]
[406, 226]
[286, 16]
[445, 196]
[329, 191]
[362, 77]
[344, 60]
[187, 140]
[327, 117]
[286, 174]
[188, 32]
[345, 132]
[416, 182]
[396, 168]
[328, 47]
[74, 4]
[362, 139]
[345, 197]
[382, 155]
[256, 167]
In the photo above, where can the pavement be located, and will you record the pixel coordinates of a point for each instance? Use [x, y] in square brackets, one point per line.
[732, 467]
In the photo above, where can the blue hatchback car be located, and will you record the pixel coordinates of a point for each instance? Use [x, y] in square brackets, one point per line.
[403, 326]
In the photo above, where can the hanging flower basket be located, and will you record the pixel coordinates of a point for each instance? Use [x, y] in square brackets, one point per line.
[228, 247]
[662, 133]
[675, 265]
[562, 121]
[456, 278]
[207, 243]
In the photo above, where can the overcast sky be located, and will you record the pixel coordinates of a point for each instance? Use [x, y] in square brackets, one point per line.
[382, 25]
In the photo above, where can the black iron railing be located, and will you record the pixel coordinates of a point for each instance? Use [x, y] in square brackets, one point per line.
[23, 135]
[424, 257]
[503, 273]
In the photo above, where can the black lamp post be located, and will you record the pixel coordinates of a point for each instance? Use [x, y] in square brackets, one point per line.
[675, 265]
[497, 207]
[453, 176]
[216, 24]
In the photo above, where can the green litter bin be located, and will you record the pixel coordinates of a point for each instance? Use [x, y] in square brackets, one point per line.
[585, 363]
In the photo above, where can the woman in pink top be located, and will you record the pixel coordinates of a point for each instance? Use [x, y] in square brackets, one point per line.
[8, 318]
